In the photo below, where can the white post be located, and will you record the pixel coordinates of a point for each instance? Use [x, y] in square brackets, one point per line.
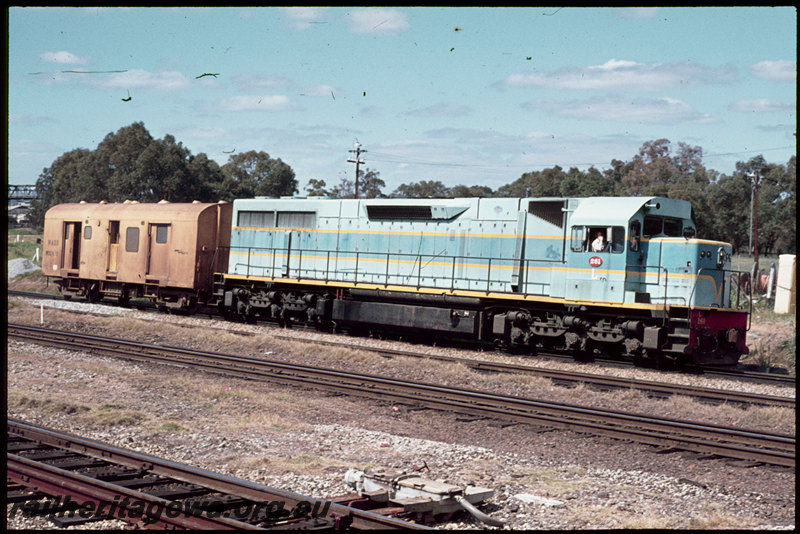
[771, 281]
[41, 313]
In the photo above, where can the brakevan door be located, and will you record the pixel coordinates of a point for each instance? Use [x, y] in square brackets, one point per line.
[158, 252]
[71, 253]
[113, 245]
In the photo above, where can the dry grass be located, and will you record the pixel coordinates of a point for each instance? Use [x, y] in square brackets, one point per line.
[305, 464]
[104, 415]
[589, 517]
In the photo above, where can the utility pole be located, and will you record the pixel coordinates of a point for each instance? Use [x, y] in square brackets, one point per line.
[357, 151]
[754, 179]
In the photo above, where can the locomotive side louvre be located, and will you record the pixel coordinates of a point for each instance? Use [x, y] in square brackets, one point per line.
[167, 252]
[519, 272]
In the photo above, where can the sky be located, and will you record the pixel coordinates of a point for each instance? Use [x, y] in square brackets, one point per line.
[462, 95]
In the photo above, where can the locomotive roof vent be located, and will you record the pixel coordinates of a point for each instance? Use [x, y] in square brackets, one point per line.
[551, 211]
[411, 212]
[400, 212]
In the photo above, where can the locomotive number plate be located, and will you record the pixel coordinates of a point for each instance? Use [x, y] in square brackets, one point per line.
[595, 261]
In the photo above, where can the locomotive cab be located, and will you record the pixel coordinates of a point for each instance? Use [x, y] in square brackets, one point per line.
[652, 262]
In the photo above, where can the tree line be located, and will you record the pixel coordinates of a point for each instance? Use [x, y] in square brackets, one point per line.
[131, 165]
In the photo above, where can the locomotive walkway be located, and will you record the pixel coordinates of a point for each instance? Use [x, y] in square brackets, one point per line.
[756, 446]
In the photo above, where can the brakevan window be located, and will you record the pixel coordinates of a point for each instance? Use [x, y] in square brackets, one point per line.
[161, 233]
[87, 232]
[132, 239]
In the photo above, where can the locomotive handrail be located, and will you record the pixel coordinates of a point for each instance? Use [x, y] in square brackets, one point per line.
[419, 261]
[642, 271]
[721, 302]
[749, 296]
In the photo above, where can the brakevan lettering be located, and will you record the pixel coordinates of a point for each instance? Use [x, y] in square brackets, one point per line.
[152, 512]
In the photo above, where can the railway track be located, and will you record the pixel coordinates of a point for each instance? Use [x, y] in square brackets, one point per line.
[572, 378]
[734, 374]
[756, 446]
[90, 480]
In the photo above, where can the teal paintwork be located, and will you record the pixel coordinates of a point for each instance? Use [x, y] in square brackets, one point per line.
[521, 246]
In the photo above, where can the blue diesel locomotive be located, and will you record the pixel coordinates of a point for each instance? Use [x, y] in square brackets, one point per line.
[625, 277]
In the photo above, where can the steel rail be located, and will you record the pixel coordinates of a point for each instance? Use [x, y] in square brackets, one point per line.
[746, 444]
[652, 388]
[83, 489]
[55, 481]
[737, 374]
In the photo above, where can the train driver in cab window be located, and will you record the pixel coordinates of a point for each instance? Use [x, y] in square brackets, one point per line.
[599, 244]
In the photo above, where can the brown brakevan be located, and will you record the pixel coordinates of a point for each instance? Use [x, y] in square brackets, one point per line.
[166, 252]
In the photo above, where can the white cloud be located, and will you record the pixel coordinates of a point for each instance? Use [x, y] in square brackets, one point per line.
[639, 110]
[301, 18]
[439, 110]
[142, 79]
[320, 90]
[377, 21]
[30, 120]
[762, 105]
[637, 12]
[206, 133]
[622, 75]
[784, 71]
[256, 103]
[250, 82]
[63, 58]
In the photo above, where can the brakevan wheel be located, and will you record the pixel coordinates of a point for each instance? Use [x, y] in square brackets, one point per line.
[93, 294]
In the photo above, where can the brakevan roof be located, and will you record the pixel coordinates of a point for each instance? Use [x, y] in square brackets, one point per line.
[151, 212]
[600, 211]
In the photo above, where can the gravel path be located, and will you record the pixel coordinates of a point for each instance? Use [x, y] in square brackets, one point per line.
[305, 441]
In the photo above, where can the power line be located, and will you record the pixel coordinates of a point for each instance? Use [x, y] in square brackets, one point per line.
[388, 158]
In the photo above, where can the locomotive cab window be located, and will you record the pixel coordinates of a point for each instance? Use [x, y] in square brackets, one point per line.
[635, 230]
[652, 226]
[87, 232]
[597, 239]
[577, 240]
[672, 227]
